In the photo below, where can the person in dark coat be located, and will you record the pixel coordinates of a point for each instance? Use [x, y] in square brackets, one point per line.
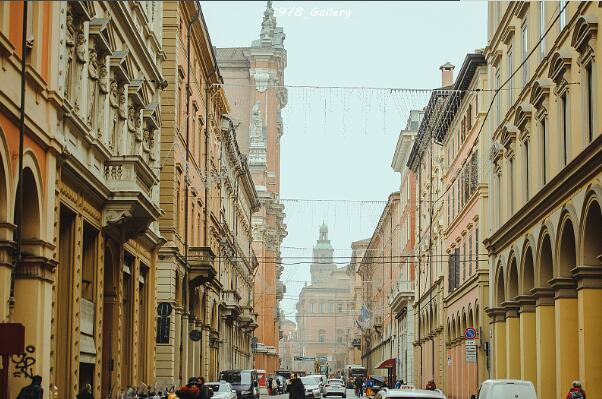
[33, 390]
[85, 393]
[296, 389]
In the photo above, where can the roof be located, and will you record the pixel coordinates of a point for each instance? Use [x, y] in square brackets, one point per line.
[471, 62]
[413, 393]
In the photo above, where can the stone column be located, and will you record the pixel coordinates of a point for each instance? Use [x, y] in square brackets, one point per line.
[589, 297]
[528, 338]
[6, 265]
[184, 361]
[567, 331]
[546, 342]
[498, 323]
[33, 308]
[513, 348]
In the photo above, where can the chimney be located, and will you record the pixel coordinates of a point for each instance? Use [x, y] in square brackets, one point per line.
[447, 74]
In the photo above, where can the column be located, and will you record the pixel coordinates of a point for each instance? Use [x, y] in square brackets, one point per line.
[546, 342]
[6, 266]
[528, 339]
[567, 332]
[33, 308]
[513, 347]
[589, 297]
[498, 322]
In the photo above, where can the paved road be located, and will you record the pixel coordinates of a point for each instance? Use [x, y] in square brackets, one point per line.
[350, 395]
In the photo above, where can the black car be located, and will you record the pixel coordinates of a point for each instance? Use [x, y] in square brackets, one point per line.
[244, 382]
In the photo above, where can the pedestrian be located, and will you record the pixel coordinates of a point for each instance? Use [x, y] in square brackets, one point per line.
[269, 386]
[85, 392]
[274, 386]
[33, 390]
[358, 387]
[296, 389]
[431, 386]
[576, 391]
[205, 391]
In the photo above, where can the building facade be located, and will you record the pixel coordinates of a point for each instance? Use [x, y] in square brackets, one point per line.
[254, 84]
[543, 244]
[425, 161]
[401, 299]
[467, 285]
[379, 270]
[288, 344]
[324, 311]
[207, 264]
[358, 249]
[84, 286]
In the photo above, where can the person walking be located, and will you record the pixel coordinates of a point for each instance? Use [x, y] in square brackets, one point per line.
[33, 390]
[576, 391]
[431, 386]
[274, 386]
[296, 389]
[85, 392]
[359, 383]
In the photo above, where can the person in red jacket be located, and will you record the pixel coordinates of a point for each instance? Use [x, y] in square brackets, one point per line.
[576, 391]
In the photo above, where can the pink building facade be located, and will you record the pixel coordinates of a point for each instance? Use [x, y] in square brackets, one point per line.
[466, 286]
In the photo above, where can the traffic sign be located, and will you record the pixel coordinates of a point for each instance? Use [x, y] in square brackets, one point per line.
[470, 333]
[470, 342]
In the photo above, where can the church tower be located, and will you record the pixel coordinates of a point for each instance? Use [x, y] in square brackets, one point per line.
[323, 264]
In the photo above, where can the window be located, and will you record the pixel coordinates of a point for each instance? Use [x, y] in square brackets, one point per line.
[464, 260]
[562, 6]
[469, 118]
[590, 102]
[510, 80]
[544, 146]
[526, 169]
[498, 104]
[321, 335]
[339, 307]
[525, 43]
[542, 28]
[476, 248]
[469, 255]
[511, 184]
[564, 127]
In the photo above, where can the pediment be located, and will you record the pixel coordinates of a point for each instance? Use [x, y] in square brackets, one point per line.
[83, 9]
[119, 65]
[136, 93]
[152, 116]
[586, 28]
[509, 133]
[540, 90]
[101, 32]
[560, 62]
[508, 34]
[524, 112]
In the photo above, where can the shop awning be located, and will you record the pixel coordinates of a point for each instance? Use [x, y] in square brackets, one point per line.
[387, 364]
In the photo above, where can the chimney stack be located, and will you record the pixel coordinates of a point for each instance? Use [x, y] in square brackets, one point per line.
[447, 74]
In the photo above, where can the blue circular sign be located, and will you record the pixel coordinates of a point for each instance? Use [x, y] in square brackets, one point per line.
[470, 333]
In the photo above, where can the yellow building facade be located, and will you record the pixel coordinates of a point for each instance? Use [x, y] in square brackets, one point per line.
[85, 285]
[545, 191]
[207, 265]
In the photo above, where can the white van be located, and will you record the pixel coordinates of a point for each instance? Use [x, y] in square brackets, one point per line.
[507, 389]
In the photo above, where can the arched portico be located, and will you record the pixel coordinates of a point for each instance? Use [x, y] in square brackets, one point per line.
[528, 325]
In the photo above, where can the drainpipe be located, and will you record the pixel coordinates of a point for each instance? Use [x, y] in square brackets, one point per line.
[185, 286]
[18, 217]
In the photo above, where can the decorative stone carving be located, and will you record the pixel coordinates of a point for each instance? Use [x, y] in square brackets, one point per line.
[70, 44]
[80, 58]
[257, 146]
[92, 88]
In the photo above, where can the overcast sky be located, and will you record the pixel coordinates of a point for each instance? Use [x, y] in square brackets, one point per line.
[338, 142]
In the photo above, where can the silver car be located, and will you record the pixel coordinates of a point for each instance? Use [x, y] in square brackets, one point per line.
[335, 387]
[312, 387]
[222, 390]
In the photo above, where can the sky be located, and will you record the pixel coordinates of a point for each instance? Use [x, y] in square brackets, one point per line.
[349, 68]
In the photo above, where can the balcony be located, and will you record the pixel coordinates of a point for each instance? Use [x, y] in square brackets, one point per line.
[201, 261]
[231, 303]
[401, 293]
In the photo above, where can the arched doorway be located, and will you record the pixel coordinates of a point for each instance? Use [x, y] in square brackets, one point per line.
[110, 321]
[590, 297]
[566, 306]
[499, 324]
[528, 324]
[545, 318]
[5, 233]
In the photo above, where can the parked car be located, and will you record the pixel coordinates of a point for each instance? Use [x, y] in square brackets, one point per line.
[409, 392]
[335, 387]
[244, 382]
[222, 390]
[502, 389]
[312, 387]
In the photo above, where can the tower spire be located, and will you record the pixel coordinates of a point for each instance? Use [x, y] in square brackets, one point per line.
[267, 26]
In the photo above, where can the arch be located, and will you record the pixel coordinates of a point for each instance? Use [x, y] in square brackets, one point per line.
[512, 279]
[464, 322]
[500, 294]
[527, 274]
[559, 63]
[31, 223]
[476, 313]
[544, 267]
[566, 247]
[471, 322]
[4, 182]
[591, 231]
[585, 28]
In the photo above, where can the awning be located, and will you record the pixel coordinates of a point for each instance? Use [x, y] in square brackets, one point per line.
[388, 364]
